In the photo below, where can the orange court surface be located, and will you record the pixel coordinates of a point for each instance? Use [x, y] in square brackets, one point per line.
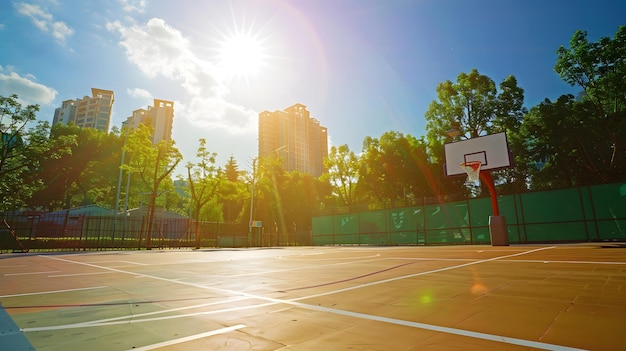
[520, 297]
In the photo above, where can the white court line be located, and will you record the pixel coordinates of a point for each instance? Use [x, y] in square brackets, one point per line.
[352, 262]
[77, 274]
[53, 291]
[323, 259]
[132, 320]
[293, 302]
[447, 330]
[568, 262]
[135, 263]
[188, 338]
[15, 266]
[29, 273]
[300, 268]
[234, 299]
[423, 273]
[119, 261]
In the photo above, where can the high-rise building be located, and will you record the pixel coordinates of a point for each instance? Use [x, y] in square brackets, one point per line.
[88, 112]
[65, 113]
[294, 136]
[160, 117]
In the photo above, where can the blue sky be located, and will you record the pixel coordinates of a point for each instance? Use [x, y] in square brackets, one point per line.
[362, 67]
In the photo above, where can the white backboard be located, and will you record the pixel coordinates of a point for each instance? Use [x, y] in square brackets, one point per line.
[491, 150]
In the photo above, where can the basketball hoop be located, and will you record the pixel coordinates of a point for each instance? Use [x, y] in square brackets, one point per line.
[472, 168]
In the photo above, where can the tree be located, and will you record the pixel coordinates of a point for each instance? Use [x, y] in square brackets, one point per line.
[551, 145]
[21, 149]
[469, 106]
[397, 170]
[473, 107]
[269, 178]
[203, 183]
[301, 195]
[232, 191]
[343, 173]
[154, 165]
[598, 68]
[84, 174]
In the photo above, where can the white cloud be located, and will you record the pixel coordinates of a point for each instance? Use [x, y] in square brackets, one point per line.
[141, 94]
[159, 49]
[29, 92]
[134, 5]
[45, 21]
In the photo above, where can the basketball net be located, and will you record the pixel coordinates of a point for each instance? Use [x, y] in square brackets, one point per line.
[472, 168]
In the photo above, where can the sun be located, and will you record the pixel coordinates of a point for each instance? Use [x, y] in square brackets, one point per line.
[241, 55]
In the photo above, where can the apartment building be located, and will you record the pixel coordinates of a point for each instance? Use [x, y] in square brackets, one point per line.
[160, 117]
[299, 140]
[88, 112]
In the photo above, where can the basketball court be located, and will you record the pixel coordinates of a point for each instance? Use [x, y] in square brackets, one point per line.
[562, 297]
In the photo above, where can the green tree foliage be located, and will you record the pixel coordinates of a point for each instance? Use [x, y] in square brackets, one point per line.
[397, 170]
[597, 133]
[21, 148]
[203, 181]
[153, 164]
[268, 178]
[232, 192]
[285, 201]
[474, 107]
[469, 106]
[343, 173]
[84, 172]
[550, 144]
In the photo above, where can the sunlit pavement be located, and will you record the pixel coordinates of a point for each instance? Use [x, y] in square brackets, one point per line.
[562, 297]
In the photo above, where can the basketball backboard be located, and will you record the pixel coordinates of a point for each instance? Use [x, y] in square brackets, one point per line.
[491, 150]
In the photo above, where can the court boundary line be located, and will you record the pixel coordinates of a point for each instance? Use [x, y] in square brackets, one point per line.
[53, 291]
[187, 338]
[294, 302]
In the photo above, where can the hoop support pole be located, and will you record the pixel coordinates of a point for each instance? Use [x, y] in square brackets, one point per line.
[488, 179]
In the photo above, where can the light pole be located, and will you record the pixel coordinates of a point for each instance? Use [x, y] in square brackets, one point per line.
[119, 180]
[251, 201]
[284, 147]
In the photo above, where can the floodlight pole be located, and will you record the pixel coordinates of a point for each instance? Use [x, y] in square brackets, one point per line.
[251, 202]
[119, 180]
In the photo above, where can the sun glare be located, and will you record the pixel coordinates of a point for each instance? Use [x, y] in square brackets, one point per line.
[241, 55]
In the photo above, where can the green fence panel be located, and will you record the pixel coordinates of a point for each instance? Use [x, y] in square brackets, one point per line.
[579, 214]
[553, 206]
[480, 235]
[589, 215]
[321, 240]
[348, 239]
[407, 238]
[405, 219]
[567, 231]
[374, 239]
[448, 236]
[480, 210]
[514, 233]
[322, 225]
[509, 208]
[612, 229]
[609, 200]
[346, 223]
[454, 214]
[373, 222]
